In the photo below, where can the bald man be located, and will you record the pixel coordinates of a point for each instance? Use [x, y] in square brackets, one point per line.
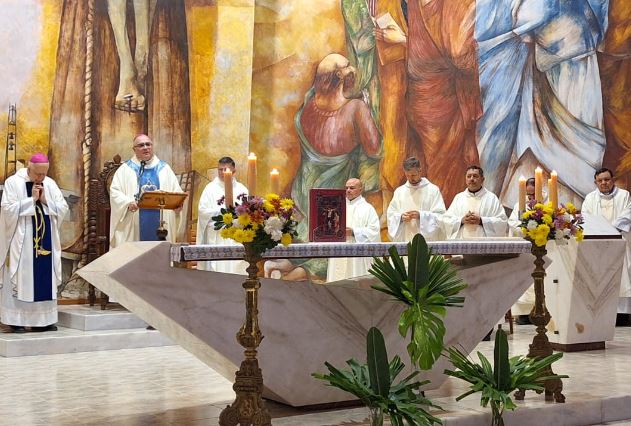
[143, 172]
[362, 226]
[33, 209]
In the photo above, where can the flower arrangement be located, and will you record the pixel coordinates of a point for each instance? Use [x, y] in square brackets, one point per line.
[262, 223]
[542, 222]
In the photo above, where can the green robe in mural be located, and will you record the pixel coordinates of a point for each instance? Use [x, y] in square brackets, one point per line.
[361, 51]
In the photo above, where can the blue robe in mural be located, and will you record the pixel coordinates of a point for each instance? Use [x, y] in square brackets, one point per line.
[540, 88]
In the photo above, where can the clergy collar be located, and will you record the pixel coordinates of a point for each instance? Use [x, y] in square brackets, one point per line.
[609, 196]
[355, 200]
[477, 193]
[422, 183]
[150, 164]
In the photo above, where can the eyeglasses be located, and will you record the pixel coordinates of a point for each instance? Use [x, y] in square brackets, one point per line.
[143, 144]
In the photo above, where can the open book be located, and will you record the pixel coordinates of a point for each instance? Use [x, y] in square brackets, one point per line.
[389, 52]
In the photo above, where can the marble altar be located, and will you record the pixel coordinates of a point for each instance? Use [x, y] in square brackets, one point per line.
[304, 324]
[582, 287]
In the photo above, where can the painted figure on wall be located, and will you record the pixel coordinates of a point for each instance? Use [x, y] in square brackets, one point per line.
[443, 103]
[376, 45]
[338, 135]
[614, 60]
[159, 106]
[133, 68]
[541, 91]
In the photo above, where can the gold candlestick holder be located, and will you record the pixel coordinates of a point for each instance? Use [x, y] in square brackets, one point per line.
[248, 407]
[539, 316]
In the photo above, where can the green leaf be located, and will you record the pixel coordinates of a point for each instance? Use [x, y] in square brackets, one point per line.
[378, 368]
[501, 364]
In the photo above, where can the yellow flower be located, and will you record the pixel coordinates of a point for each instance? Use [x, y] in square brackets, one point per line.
[227, 232]
[538, 206]
[286, 203]
[244, 220]
[269, 207]
[570, 208]
[527, 214]
[271, 197]
[541, 241]
[286, 239]
[547, 218]
[524, 231]
[227, 218]
[238, 235]
[579, 235]
[248, 236]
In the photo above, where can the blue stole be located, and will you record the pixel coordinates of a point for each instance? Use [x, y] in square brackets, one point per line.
[42, 263]
[149, 219]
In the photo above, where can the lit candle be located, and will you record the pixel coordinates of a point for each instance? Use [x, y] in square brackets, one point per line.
[227, 181]
[252, 174]
[274, 177]
[538, 184]
[554, 189]
[522, 194]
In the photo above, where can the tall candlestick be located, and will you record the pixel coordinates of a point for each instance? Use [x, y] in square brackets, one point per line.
[274, 177]
[554, 189]
[252, 174]
[538, 184]
[227, 181]
[522, 194]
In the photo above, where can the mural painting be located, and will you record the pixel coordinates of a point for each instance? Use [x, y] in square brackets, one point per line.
[322, 91]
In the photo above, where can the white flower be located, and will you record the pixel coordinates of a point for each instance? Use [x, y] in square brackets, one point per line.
[274, 227]
[532, 225]
[567, 218]
[566, 232]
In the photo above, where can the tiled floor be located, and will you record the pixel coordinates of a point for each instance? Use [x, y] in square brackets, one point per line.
[168, 386]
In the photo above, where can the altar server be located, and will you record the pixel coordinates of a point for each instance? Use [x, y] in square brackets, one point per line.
[475, 212]
[33, 209]
[362, 226]
[143, 172]
[210, 204]
[416, 206]
[614, 204]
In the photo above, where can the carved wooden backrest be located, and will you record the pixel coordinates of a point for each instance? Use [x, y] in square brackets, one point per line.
[99, 210]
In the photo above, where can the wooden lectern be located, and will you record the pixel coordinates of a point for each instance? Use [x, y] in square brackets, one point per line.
[162, 200]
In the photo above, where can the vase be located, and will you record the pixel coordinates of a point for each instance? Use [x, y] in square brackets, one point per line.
[375, 416]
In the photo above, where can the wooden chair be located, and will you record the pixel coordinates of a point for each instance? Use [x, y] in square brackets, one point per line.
[99, 219]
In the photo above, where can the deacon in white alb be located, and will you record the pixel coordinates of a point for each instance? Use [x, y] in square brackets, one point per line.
[614, 204]
[362, 226]
[33, 209]
[416, 206]
[143, 172]
[475, 212]
[210, 204]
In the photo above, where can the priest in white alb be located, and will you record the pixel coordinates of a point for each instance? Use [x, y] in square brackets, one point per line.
[614, 204]
[475, 212]
[143, 172]
[362, 226]
[416, 206]
[33, 209]
[211, 202]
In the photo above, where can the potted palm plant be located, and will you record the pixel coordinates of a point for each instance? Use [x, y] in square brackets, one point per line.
[373, 383]
[427, 286]
[507, 375]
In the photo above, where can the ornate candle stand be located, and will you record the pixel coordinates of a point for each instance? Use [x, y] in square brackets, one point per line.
[540, 346]
[248, 407]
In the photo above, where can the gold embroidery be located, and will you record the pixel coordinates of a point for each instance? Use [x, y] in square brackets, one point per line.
[40, 231]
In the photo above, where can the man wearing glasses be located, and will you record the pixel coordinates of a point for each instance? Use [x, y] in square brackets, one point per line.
[141, 173]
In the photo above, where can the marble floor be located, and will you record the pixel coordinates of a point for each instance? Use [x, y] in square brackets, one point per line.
[168, 386]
